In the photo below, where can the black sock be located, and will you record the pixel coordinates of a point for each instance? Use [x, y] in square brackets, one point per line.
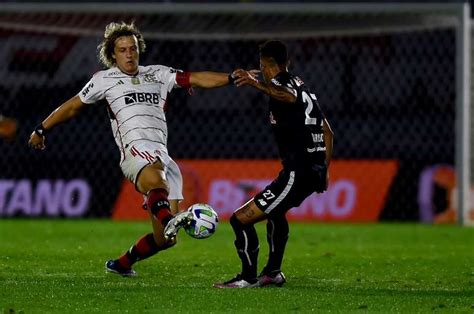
[247, 247]
[277, 236]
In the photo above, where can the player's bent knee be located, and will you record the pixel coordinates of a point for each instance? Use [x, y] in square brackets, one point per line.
[152, 178]
[249, 213]
[236, 223]
[155, 183]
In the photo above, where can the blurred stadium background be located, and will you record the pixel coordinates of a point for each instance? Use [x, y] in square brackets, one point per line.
[385, 76]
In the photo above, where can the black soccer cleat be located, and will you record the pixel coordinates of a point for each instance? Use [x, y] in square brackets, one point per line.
[113, 266]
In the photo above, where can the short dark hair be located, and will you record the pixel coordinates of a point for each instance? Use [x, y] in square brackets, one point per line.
[274, 49]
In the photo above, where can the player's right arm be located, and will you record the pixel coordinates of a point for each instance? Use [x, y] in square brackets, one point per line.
[208, 79]
[328, 140]
[63, 113]
[280, 93]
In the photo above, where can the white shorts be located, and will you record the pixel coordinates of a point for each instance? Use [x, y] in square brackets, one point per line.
[143, 154]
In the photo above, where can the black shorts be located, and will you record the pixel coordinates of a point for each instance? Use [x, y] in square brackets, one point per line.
[290, 189]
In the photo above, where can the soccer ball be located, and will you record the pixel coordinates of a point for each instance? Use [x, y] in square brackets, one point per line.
[204, 223]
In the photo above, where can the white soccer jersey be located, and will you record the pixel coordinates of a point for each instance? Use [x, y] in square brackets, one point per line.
[135, 103]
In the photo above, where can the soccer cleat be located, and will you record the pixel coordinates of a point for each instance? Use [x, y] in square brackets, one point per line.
[113, 266]
[277, 279]
[237, 282]
[180, 220]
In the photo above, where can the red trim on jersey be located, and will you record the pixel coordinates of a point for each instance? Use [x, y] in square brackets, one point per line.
[151, 158]
[140, 154]
[182, 79]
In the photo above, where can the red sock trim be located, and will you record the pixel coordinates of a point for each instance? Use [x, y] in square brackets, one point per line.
[158, 203]
[155, 196]
[125, 261]
[143, 245]
[144, 248]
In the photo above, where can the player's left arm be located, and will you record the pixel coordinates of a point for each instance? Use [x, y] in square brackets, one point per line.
[208, 79]
[280, 93]
[328, 140]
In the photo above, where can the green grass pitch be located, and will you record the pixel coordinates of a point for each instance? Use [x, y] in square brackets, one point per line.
[58, 267]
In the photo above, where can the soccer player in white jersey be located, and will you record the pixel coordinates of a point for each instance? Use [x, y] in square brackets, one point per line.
[135, 97]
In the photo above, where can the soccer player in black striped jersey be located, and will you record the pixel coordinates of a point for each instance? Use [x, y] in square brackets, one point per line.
[305, 143]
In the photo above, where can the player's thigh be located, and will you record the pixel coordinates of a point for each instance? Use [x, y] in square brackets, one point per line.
[288, 190]
[152, 177]
[249, 213]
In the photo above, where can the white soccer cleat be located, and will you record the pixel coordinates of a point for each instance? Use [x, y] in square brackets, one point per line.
[236, 283]
[180, 220]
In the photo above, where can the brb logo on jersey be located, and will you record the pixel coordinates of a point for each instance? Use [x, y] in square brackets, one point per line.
[152, 98]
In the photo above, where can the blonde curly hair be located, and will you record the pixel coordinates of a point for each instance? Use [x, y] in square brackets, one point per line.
[112, 32]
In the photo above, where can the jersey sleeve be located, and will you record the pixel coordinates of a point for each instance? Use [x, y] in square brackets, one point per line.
[183, 79]
[93, 91]
[174, 78]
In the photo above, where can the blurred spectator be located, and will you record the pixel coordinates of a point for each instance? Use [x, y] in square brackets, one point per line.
[8, 128]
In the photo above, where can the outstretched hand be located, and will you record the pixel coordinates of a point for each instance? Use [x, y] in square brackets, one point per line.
[246, 77]
[36, 141]
[322, 178]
